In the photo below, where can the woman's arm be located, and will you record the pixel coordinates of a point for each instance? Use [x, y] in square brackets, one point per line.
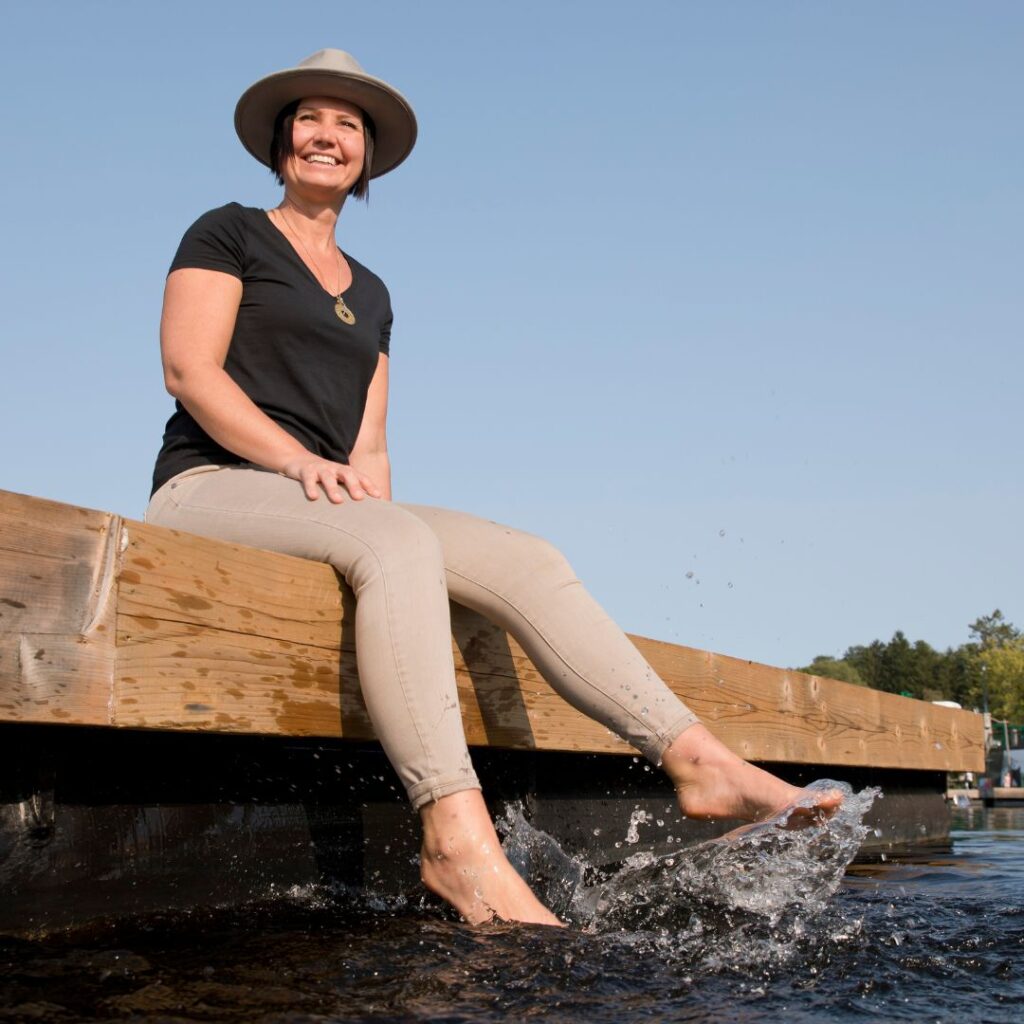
[369, 454]
[200, 307]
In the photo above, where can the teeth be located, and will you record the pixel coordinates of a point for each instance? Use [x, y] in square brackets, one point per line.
[321, 159]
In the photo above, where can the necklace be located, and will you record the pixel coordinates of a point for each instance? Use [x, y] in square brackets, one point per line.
[344, 314]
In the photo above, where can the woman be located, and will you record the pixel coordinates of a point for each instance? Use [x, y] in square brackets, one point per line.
[275, 344]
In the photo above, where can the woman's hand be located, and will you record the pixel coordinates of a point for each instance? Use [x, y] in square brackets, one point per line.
[313, 473]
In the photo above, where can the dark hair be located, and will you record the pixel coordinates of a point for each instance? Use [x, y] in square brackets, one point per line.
[281, 148]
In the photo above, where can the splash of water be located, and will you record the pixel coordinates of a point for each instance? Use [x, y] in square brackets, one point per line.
[762, 878]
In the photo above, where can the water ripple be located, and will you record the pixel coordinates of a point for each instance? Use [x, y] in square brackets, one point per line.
[723, 931]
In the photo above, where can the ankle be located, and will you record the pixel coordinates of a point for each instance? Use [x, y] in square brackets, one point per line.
[694, 754]
[458, 825]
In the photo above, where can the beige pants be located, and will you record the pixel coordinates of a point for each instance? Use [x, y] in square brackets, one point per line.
[404, 562]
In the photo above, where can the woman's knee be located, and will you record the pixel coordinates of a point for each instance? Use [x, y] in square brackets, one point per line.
[498, 558]
[398, 546]
[533, 559]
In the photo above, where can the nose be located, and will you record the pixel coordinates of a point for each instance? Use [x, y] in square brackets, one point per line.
[323, 138]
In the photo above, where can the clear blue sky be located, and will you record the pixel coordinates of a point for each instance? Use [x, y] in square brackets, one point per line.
[722, 289]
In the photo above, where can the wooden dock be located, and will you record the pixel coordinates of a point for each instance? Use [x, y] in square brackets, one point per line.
[120, 635]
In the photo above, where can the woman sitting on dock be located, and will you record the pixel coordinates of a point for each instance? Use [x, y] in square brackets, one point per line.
[275, 344]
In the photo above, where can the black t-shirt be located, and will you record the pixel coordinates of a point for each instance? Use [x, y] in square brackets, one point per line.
[290, 353]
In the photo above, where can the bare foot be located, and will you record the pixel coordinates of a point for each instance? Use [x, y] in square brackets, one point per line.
[712, 782]
[462, 862]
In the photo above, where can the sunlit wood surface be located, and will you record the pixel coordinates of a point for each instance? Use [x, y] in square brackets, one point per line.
[107, 621]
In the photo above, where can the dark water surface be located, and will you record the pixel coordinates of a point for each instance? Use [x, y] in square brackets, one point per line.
[764, 926]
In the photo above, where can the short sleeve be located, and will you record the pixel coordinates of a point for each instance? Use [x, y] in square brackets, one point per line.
[216, 241]
[385, 334]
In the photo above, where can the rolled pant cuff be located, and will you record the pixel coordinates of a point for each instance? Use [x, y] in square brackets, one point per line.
[654, 749]
[426, 792]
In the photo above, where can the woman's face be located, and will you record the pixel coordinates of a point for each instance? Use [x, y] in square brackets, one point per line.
[327, 146]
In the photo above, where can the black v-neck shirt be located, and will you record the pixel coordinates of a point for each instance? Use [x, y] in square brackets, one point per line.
[290, 352]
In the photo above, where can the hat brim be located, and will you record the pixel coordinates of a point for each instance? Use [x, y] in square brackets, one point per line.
[393, 119]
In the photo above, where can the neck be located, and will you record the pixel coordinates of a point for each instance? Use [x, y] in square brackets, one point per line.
[315, 221]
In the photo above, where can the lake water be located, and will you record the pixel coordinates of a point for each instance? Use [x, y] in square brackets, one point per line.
[763, 926]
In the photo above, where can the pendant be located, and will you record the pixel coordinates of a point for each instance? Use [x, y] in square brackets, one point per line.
[344, 313]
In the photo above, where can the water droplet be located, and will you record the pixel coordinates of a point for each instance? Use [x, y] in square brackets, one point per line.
[721, 533]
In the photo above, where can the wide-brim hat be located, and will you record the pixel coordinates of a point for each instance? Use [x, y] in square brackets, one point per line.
[336, 74]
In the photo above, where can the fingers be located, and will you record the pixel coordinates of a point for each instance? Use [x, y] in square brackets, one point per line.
[327, 478]
[335, 480]
[352, 481]
[309, 485]
[369, 486]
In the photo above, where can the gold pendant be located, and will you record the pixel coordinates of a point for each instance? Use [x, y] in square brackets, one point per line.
[344, 313]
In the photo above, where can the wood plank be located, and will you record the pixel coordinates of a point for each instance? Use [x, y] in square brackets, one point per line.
[230, 638]
[150, 627]
[58, 569]
[172, 576]
[55, 564]
[763, 713]
[772, 714]
[173, 675]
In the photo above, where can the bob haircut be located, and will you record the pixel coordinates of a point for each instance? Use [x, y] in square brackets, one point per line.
[281, 148]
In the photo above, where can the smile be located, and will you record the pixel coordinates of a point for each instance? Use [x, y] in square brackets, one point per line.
[321, 158]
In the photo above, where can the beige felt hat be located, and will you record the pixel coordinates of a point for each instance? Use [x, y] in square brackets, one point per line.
[336, 74]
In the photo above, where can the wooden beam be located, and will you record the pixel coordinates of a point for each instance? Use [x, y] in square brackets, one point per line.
[110, 621]
[58, 567]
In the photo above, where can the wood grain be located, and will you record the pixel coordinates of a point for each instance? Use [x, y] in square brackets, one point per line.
[136, 625]
[58, 572]
[772, 714]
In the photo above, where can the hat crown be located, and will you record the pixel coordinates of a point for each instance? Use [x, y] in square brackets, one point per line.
[332, 60]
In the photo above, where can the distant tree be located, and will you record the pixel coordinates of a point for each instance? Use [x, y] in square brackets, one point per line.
[994, 631]
[929, 671]
[958, 677]
[868, 662]
[832, 668]
[994, 658]
[1004, 673]
[898, 665]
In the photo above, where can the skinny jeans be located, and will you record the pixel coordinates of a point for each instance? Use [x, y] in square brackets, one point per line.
[404, 562]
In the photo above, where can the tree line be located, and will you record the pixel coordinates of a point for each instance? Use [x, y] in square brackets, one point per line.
[990, 664]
